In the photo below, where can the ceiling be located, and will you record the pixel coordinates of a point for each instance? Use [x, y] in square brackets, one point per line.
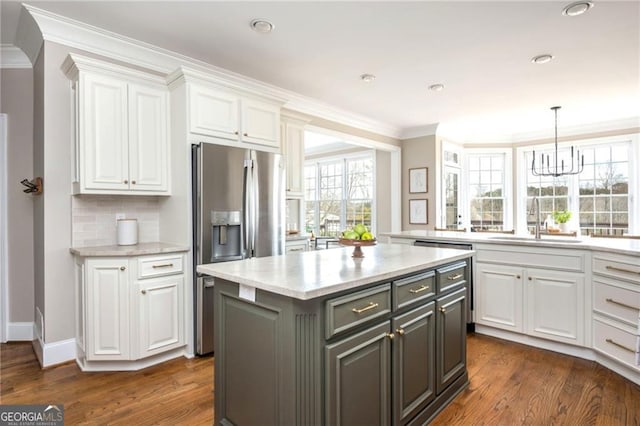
[481, 51]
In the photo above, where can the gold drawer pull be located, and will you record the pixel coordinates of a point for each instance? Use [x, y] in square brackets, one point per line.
[454, 277]
[400, 332]
[164, 265]
[624, 305]
[620, 346]
[443, 310]
[613, 268]
[419, 289]
[389, 335]
[371, 305]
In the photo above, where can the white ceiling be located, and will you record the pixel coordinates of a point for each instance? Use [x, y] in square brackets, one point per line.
[479, 50]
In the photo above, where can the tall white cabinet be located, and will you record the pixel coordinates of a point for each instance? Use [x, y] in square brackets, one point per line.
[121, 129]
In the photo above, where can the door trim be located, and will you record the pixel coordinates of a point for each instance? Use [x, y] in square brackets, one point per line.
[4, 294]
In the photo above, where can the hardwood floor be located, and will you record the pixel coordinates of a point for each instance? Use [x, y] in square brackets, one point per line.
[511, 384]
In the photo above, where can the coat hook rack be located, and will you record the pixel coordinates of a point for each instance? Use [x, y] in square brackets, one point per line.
[33, 187]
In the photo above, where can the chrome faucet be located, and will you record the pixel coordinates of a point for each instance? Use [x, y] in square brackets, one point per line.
[535, 210]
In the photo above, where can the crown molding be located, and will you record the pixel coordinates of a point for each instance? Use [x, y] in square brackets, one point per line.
[69, 32]
[419, 131]
[12, 57]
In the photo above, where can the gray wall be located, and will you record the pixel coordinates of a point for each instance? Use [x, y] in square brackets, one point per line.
[416, 153]
[16, 87]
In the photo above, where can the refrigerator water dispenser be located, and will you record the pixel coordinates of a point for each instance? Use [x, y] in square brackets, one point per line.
[226, 236]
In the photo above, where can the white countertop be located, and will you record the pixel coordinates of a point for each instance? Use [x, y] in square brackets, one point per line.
[133, 250]
[307, 275]
[296, 237]
[614, 245]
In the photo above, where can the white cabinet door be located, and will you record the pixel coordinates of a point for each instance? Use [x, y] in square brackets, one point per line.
[107, 311]
[160, 314]
[260, 123]
[148, 139]
[103, 130]
[498, 292]
[555, 305]
[294, 152]
[296, 246]
[213, 112]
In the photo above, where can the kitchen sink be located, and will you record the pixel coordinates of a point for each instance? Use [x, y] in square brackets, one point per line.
[533, 240]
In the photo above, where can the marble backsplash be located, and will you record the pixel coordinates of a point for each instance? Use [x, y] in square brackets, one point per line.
[93, 218]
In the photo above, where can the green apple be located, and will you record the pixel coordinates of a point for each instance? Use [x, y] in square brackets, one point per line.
[360, 229]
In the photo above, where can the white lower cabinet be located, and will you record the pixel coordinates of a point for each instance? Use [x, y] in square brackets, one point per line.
[125, 316]
[296, 246]
[549, 303]
[106, 309]
[160, 317]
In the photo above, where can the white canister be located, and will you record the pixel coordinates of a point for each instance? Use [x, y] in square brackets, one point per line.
[127, 232]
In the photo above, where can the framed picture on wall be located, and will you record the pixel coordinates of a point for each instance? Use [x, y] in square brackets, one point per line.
[418, 182]
[418, 212]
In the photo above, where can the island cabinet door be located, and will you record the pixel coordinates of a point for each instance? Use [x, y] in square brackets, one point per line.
[358, 378]
[414, 365]
[450, 338]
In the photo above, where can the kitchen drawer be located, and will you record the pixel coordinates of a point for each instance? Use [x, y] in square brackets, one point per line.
[415, 288]
[623, 267]
[617, 302]
[348, 311]
[158, 266]
[615, 342]
[451, 276]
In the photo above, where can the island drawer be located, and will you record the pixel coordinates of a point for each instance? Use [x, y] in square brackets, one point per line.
[623, 267]
[158, 266]
[351, 310]
[451, 276]
[618, 302]
[415, 288]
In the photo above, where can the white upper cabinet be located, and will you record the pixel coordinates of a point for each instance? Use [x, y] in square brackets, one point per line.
[121, 129]
[215, 113]
[293, 149]
[223, 114]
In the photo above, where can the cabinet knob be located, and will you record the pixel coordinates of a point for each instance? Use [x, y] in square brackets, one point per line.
[235, 133]
[133, 182]
[400, 331]
[245, 134]
[443, 309]
[122, 268]
[390, 335]
[126, 181]
[530, 278]
[143, 291]
[518, 276]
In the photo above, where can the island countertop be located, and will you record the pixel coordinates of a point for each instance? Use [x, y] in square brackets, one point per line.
[312, 274]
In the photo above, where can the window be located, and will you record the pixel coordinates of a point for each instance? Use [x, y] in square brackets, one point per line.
[604, 190]
[486, 191]
[339, 194]
[599, 195]
[552, 192]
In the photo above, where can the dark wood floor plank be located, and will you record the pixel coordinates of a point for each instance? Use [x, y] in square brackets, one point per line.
[510, 384]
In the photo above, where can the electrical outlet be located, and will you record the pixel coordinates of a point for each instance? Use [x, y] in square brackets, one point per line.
[119, 216]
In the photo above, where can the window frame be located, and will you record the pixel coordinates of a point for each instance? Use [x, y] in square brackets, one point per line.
[573, 185]
[507, 205]
[344, 158]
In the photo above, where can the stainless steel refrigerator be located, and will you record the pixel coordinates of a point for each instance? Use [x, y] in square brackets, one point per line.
[238, 209]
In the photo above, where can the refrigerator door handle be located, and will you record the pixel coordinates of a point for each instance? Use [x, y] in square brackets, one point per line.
[255, 192]
[247, 227]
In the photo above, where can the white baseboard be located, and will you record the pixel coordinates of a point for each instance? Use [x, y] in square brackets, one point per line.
[49, 354]
[20, 331]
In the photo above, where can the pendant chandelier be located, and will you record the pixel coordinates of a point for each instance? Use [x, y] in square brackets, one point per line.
[546, 169]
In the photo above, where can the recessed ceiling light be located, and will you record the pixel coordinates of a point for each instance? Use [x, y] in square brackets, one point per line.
[367, 78]
[577, 8]
[542, 59]
[262, 26]
[436, 87]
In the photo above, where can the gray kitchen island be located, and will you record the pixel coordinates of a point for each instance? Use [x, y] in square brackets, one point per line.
[322, 338]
